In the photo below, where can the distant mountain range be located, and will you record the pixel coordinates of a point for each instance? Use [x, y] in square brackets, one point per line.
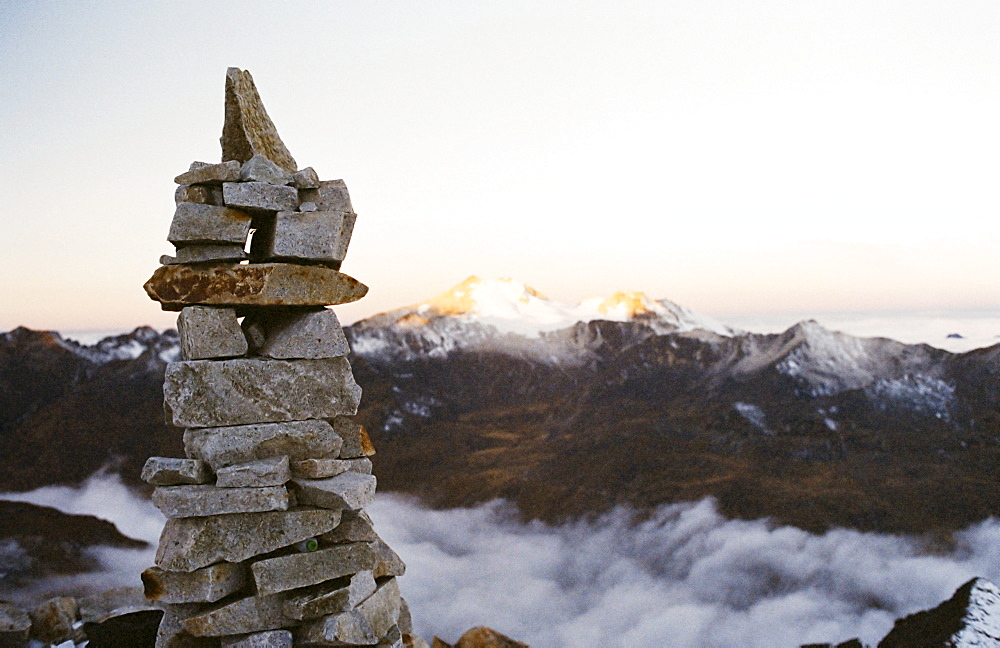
[491, 390]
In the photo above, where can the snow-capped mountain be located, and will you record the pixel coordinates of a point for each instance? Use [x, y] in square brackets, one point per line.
[491, 390]
[969, 619]
[507, 314]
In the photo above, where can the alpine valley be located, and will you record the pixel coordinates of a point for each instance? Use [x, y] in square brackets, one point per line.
[490, 390]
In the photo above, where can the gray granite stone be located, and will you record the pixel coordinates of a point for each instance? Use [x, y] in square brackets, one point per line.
[250, 614]
[205, 393]
[307, 206]
[248, 130]
[355, 526]
[266, 639]
[187, 544]
[260, 169]
[14, 625]
[172, 471]
[356, 441]
[205, 254]
[334, 596]
[389, 563]
[299, 333]
[322, 468]
[204, 194]
[331, 195]
[170, 634]
[197, 224]
[259, 284]
[306, 178]
[273, 471]
[207, 332]
[313, 236]
[197, 501]
[260, 195]
[405, 621]
[98, 608]
[304, 569]
[204, 585]
[365, 625]
[226, 446]
[52, 621]
[349, 490]
[205, 173]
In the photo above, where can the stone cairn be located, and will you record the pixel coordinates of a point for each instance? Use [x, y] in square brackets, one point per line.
[267, 542]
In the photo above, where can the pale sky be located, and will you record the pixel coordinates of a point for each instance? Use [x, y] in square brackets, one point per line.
[735, 157]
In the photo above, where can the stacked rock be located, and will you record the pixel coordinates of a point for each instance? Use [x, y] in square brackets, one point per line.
[267, 542]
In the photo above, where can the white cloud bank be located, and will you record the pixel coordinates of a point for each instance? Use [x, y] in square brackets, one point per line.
[685, 577]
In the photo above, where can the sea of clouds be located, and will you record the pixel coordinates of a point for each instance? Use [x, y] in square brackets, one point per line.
[686, 576]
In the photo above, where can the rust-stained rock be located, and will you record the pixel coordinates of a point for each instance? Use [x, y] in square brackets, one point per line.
[52, 621]
[204, 585]
[261, 284]
[248, 129]
[483, 637]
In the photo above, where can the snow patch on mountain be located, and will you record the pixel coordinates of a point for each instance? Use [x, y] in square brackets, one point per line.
[127, 346]
[919, 393]
[981, 627]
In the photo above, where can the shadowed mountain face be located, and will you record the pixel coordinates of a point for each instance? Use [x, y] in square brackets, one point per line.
[811, 427]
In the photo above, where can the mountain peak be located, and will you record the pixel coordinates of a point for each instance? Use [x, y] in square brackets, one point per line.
[482, 297]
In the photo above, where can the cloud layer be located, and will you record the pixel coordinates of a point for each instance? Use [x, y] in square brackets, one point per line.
[685, 575]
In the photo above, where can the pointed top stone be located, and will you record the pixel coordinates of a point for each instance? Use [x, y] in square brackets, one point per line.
[248, 130]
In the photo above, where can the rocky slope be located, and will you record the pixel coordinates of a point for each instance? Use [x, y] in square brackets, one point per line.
[490, 390]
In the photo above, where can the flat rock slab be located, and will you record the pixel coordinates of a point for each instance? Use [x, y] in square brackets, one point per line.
[248, 130]
[290, 334]
[119, 601]
[323, 468]
[206, 393]
[205, 585]
[319, 236]
[205, 254]
[348, 490]
[187, 544]
[274, 471]
[204, 194]
[388, 561]
[172, 471]
[259, 284]
[338, 595]
[304, 569]
[267, 639]
[220, 447]
[355, 526]
[195, 223]
[330, 195]
[208, 332]
[260, 169]
[364, 625]
[213, 174]
[260, 196]
[250, 614]
[197, 501]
